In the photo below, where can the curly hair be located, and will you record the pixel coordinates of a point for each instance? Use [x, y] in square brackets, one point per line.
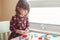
[22, 4]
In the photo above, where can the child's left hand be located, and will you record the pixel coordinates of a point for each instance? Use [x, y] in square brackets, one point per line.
[27, 30]
[24, 32]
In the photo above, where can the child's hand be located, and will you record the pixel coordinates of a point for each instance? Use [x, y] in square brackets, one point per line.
[27, 30]
[21, 31]
[24, 32]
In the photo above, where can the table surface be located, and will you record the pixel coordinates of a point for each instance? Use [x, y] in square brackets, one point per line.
[34, 34]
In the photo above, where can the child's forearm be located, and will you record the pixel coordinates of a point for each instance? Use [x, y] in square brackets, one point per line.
[20, 31]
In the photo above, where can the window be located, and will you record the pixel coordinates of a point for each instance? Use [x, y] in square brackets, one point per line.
[47, 15]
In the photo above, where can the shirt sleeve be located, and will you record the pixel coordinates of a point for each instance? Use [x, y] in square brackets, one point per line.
[27, 24]
[13, 24]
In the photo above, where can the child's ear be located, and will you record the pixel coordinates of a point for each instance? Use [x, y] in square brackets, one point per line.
[18, 8]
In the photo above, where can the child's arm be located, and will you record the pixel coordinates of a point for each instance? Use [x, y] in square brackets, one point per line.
[24, 31]
[21, 31]
[27, 25]
[13, 26]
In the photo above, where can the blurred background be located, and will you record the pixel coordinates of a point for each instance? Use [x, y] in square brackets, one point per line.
[44, 15]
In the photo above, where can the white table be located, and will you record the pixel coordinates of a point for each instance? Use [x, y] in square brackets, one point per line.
[50, 37]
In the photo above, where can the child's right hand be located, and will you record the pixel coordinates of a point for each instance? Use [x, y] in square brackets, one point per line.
[21, 31]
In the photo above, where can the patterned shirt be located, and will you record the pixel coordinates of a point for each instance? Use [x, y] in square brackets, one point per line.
[18, 22]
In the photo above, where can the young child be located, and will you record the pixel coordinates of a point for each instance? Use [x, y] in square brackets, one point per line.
[19, 23]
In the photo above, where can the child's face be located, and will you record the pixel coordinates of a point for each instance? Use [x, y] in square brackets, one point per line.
[23, 12]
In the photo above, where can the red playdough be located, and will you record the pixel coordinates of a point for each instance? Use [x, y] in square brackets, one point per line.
[39, 38]
[25, 36]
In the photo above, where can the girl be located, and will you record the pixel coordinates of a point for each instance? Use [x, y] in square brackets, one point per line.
[19, 23]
